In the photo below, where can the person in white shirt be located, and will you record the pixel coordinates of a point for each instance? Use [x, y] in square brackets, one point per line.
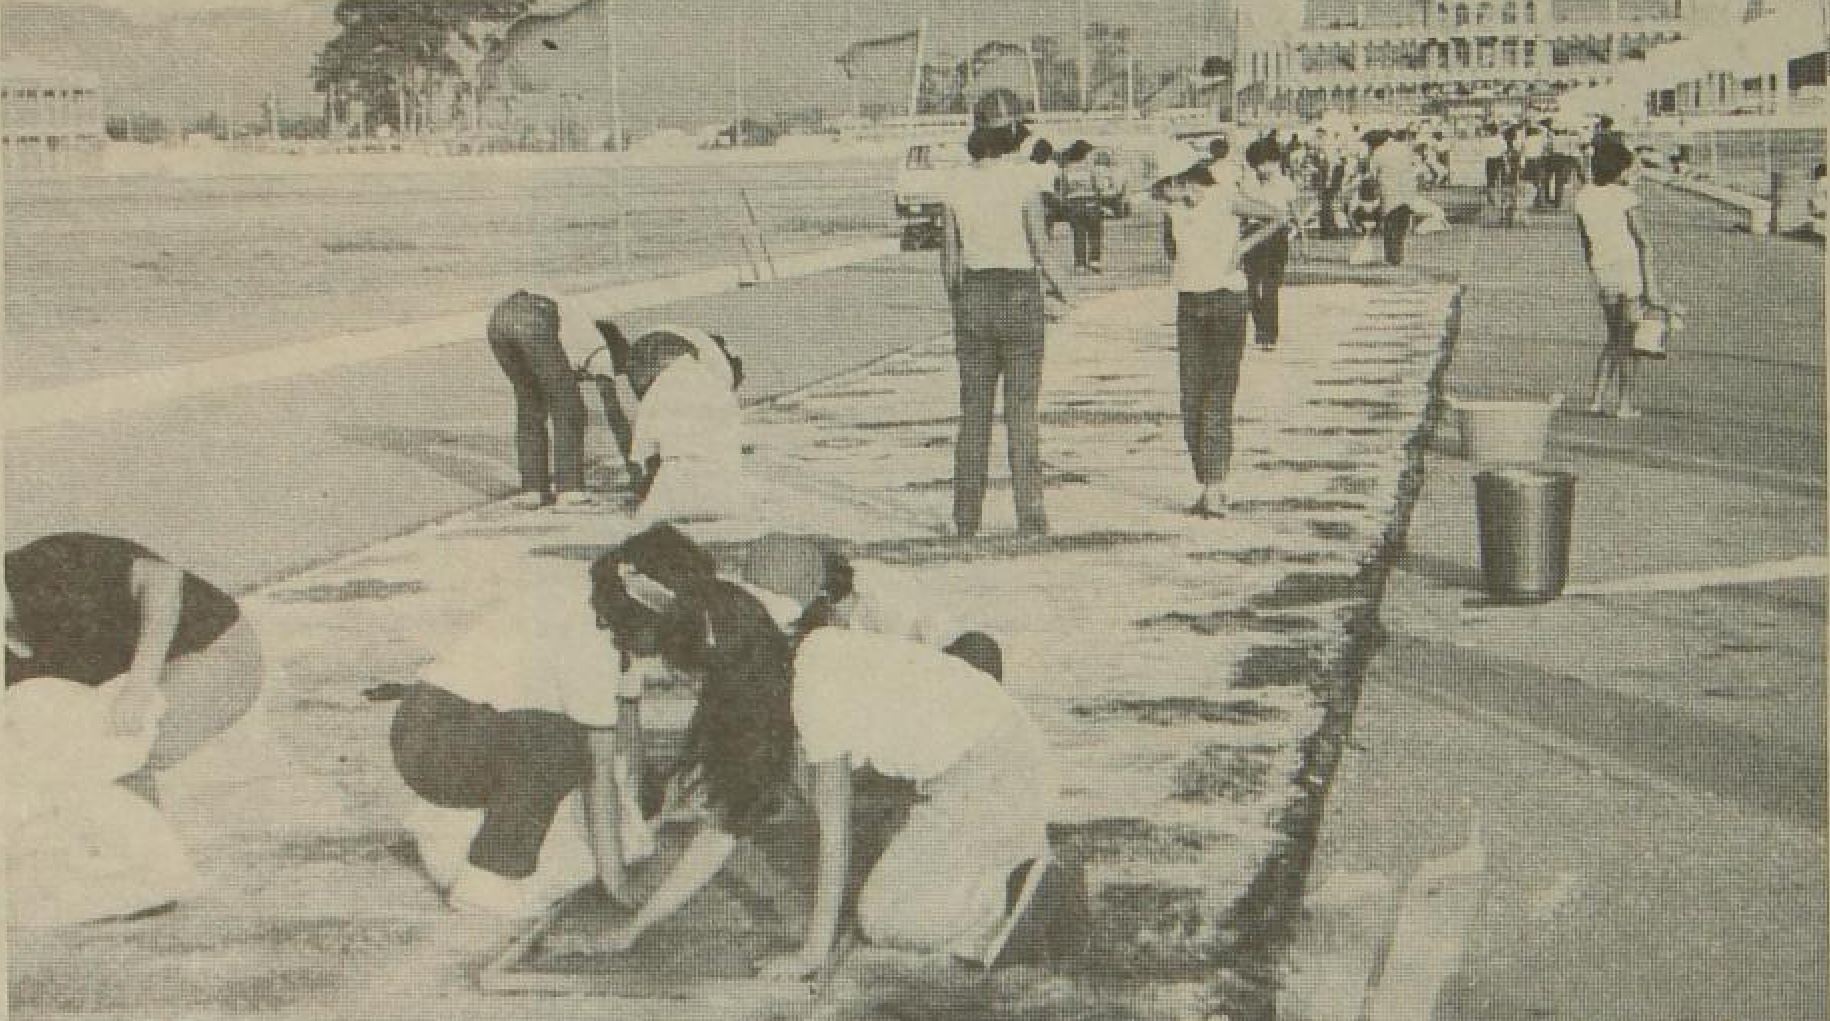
[1616, 253]
[771, 718]
[688, 433]
[1264, 263]
[1201, 236]
[517, 743]
[816, 585]
[995, 272]
[1394, 165]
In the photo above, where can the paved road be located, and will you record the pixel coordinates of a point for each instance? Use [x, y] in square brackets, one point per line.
[1648, 768]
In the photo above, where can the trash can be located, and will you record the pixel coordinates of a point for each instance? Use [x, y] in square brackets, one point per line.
[1524, 516]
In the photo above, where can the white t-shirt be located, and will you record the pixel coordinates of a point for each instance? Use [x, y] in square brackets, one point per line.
[906, 709]
[542, 650]
[889, 604]
[1207, 240]
[690, 414]
[1492, 147]
[1534, 146]
[987, 200]
[1613, 256]
[1396, 168]
[1279, 190]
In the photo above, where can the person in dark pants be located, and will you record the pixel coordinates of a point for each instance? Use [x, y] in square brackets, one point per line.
[1394, 166]
[1201, 236]
[524, 337]
[995, 272]
[1264, 263]
[1080, 193]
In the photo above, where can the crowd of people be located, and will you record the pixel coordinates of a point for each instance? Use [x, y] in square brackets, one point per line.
[523, 743]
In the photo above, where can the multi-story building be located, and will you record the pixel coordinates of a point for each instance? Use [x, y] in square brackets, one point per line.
[49, 119]
[1443, 56]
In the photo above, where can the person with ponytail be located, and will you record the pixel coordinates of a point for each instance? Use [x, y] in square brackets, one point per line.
[772, 717]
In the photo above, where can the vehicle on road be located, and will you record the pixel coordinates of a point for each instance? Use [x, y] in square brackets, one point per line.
[926, 169]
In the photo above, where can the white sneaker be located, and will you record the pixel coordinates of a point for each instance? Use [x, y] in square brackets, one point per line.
[636, 838]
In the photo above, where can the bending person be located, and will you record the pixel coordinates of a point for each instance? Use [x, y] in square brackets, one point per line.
[524, 337]
[848, 699]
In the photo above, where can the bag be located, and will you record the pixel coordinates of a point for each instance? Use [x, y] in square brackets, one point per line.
[1365, 251]
[1652, 332]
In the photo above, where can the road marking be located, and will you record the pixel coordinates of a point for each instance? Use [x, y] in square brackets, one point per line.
[1690, 581]
[37, 409]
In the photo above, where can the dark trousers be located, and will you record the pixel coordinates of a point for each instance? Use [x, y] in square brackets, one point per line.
[622, 425]
[998, 335]
[1089, 226]
[1394, 228]
[516, 766]
[1328, 212]
[1264, 278]
[1210, 340]
[525, 341]
[1559, 169]
[981, 651]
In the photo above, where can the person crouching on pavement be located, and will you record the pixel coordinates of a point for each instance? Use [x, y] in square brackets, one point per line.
[1201, 236]
[807, 583]
[688, 433]
[772, 717]
[519, 742]
[119, 665]
[1264, 262]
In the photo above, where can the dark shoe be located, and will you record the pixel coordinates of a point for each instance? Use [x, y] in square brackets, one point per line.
[1049, 916]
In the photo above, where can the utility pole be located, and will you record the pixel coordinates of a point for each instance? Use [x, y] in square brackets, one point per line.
[851, 76]
[617, 138]
[1083, 56]
[273, 116]
[921, 55]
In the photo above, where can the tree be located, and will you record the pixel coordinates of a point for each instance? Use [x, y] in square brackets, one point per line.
[394, 56]
[144, 128]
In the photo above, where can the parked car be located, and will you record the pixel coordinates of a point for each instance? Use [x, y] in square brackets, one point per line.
[920, 184]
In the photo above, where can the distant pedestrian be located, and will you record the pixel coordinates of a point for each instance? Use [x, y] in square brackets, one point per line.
[1820, 199]
[1201, 236]
[1616, 253]
[1080, 193]
[994, 266]
[524, 337]
[1264, 264]
[1393, 165]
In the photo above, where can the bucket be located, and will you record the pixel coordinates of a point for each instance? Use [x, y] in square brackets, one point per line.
[1523, 516]
[1505, 432]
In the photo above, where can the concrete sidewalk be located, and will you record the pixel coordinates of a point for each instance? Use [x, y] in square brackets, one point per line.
[1183, 670]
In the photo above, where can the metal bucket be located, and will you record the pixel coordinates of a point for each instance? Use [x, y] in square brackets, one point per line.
[1524, 516]
[1505, 432]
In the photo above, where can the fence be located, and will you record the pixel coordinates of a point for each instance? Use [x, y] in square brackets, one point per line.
[1746, 159]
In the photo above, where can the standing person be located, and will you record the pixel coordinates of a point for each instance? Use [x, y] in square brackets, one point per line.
[1820, 199]
[1512, 173]
[995, 272]
[1395, 168]
[1080, 193]
[1557, 171]
[772, 716]
[1534, 149]
[1201, 236]
[1264, 263]
[119, 665]
[524, 337]
[1042, 157]
[1492, 148]
[1616, 252]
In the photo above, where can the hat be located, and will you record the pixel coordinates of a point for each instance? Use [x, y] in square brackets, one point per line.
[787, 565]
[997, 108]
[1170, 157]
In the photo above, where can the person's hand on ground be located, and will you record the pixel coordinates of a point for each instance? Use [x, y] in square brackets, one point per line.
[801, 966]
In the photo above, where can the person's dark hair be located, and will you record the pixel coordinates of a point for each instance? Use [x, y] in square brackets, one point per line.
[740, 740]
[1611, 159]
[1218, 147]
[1511, 134]
[1201, 174]
[1606, 123]
[1819, 172]
[1376, 137]
[992, 143]
[838, 580]
[650, 355]
[1078, 151]
[1369, 189]
[1261, 152]
[978, 143]
[1042, 151]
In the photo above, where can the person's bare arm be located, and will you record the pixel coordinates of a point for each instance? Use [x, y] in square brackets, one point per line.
[605, 799]
[831, 796]
[704, 856]
[1655, 295]
[158, 588]
[1035, 219]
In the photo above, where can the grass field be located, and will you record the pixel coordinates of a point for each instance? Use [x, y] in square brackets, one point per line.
[119, 274]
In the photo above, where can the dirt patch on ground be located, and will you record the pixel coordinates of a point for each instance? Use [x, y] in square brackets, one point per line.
[1224, 773]
[1220, 622]
[1308, 588]
[1280, 666]
[1165, 712]
[353, 590]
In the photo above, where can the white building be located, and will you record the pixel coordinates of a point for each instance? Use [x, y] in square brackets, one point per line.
[49, 119]
[1486, 57]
